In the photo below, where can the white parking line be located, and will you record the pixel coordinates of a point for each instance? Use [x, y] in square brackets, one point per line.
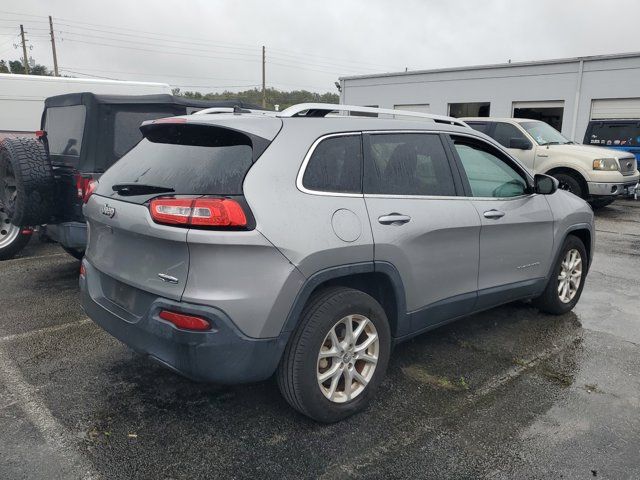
[399, 442]
[55, 435]
[52, 329]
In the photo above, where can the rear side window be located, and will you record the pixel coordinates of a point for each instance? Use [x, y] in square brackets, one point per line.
[335, 166]
[616, 134]
[190, 159]
[126, 129]
[481, 127]
[407, 164]
[504, 132]
[65, 127]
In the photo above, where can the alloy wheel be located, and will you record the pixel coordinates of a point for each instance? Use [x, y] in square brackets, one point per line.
[570, 276]
[348, 358]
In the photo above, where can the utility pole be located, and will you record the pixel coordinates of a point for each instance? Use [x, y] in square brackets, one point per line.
[264, 90]
[24, 51]
[53, 48]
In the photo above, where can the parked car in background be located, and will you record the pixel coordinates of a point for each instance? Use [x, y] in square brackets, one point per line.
[594, 174]
[230, 247]
[43, 179]
[619, 134]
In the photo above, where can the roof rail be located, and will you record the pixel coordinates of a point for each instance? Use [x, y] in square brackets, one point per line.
[211, 110]
[322, 109]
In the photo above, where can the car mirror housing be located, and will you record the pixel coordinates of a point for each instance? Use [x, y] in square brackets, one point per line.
[545, 184]
[520, 143]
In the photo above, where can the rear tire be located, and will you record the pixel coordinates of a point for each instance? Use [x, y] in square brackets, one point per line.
[12, 239]
[321, 347]
[555, 299]
[570, 183]
[26, 181]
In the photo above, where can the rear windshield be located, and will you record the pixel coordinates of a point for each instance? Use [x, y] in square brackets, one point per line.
[614, 134]
[65, 127]
[189, 159]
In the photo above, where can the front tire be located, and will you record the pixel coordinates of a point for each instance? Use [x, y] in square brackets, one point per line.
[338, 355]
[570, 183]
[567, 279]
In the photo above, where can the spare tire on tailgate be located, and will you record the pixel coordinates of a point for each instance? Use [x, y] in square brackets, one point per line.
[26, 181]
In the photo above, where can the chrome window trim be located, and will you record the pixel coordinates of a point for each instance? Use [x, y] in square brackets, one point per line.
[316, 142]
[305, 162]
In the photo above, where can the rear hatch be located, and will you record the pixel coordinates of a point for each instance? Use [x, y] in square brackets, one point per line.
[176, 162]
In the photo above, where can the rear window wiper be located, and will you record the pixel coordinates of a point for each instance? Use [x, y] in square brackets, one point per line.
[130, 189]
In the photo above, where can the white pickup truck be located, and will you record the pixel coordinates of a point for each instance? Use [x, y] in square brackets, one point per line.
[596, 174]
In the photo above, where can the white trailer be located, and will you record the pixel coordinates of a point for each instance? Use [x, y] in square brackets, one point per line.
[22, 97]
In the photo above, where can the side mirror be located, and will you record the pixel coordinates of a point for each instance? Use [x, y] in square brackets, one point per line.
[545, 184]
[520, 143]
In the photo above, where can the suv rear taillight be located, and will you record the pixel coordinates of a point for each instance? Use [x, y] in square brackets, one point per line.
[198, 212]
[85, 186]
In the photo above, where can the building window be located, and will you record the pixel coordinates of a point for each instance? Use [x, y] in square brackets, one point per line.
[413, 107]
[550, 112]
[363, 114]
[473, 109]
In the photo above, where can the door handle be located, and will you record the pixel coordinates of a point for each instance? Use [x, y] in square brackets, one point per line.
[394, 219]
[493, 214]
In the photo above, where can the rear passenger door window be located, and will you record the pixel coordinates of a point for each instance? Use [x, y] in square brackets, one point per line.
[335, 165]
[504, 132]
[407, 164]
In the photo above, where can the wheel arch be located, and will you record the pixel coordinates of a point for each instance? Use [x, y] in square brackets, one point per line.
[574, 173]
[381, 280]
[584, 233]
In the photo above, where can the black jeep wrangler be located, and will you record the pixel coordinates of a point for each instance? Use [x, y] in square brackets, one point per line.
[43, 180]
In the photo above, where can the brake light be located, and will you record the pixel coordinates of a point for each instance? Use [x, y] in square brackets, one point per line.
[185, 322]
[91, 187]
[201, 212]
[83, 270]
[41, 134]
[85, 186]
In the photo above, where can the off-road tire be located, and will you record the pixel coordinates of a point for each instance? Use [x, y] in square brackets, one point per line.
[296, 375]
[32, 200]
[570, 183]
[549, 301]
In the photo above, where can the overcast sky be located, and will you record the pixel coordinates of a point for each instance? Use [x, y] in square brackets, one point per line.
[215, 44]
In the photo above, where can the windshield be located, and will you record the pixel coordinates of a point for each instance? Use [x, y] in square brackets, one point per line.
[544, 134]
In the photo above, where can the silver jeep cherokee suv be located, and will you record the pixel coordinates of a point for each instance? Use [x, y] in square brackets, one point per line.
[232, 246]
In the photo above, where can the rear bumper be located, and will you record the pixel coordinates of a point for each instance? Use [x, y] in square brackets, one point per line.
[69, 234]
[221, 355]
[627, 186]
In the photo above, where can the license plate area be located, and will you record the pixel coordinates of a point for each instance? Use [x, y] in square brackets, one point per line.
[131, 299]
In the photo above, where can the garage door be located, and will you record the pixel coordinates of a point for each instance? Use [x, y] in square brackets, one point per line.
[615, 108]
[413, 107]
[549, 111]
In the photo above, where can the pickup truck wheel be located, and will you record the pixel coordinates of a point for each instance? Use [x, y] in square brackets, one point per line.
[12, 239]
[26, 181]
[338, 355]
[570, 183]
[567, 279]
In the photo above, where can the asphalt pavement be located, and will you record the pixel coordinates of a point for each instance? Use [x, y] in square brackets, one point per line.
[508, 393]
